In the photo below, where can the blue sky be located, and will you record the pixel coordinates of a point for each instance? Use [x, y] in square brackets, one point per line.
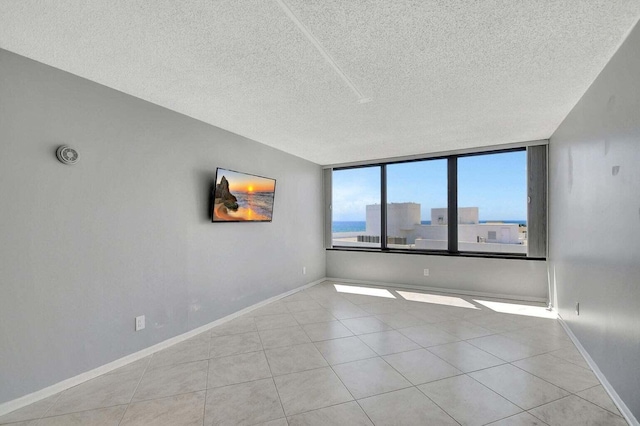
[495, 183]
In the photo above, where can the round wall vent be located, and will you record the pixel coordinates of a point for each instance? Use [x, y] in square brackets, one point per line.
[67, 155]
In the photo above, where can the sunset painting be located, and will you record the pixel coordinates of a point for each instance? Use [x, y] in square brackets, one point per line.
[240, 197]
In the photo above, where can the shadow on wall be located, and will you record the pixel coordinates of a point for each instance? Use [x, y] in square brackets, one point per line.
[206, 181]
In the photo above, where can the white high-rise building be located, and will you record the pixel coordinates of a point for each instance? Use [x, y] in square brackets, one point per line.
[404, 228]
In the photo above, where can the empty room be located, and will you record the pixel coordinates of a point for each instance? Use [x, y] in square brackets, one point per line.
[303, 212]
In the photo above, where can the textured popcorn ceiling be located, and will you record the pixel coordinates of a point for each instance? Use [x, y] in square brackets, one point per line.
[441, 75]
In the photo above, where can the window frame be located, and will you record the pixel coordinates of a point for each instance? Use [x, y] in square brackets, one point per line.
[452, 206]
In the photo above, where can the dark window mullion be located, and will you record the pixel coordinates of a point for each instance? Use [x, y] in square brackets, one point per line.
[383, 207]
[452, 204]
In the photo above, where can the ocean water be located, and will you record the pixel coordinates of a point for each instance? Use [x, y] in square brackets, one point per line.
[348, 226]
[259, 202]
[361, 226]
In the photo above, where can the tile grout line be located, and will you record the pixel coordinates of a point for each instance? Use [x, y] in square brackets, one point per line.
[437, 405]
[44, 415]
[339, 379]
[566, 390]
[348, 390]
[508, 338]
[272, 378]
[500, 395]
[206, 384]
[136, 388]
[442, 359]
[593, 403]
[555, 400]
[542, 378]
[517, 414]
[249, 381]
[420, 384]
[534, 415]
[382, 393]
[463, 372]
[150, 399]
[318, 409]
[566, 360]
[37, 420]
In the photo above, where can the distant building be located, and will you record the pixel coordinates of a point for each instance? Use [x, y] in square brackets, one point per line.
[402, 219]
[466, 215]
[404, 228]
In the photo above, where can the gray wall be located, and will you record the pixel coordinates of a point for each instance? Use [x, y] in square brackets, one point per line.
[125, 232]
[595, 220]
[517, 278]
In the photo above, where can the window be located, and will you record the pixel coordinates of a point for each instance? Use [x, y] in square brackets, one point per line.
[416, 200]
[492, 203]
[356, 207]
[497, 199]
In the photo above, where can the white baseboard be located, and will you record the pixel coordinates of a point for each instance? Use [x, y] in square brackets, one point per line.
[624, 410]
[442, 290]
[25, 400]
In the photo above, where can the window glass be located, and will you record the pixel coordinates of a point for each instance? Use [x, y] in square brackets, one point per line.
[417, 205]
[492, 203]
[355, 208]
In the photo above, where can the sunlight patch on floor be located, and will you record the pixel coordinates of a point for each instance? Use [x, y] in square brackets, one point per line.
[517, 309]
[366, 291]
[436, 299]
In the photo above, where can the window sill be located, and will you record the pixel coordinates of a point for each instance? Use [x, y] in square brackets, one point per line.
[438, 253]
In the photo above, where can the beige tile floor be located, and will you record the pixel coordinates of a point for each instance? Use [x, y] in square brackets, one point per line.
[335, 354]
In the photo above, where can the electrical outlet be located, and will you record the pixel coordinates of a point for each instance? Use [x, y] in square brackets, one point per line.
[577, 308]
[426, 272]
[139, 323]
[304, 270]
